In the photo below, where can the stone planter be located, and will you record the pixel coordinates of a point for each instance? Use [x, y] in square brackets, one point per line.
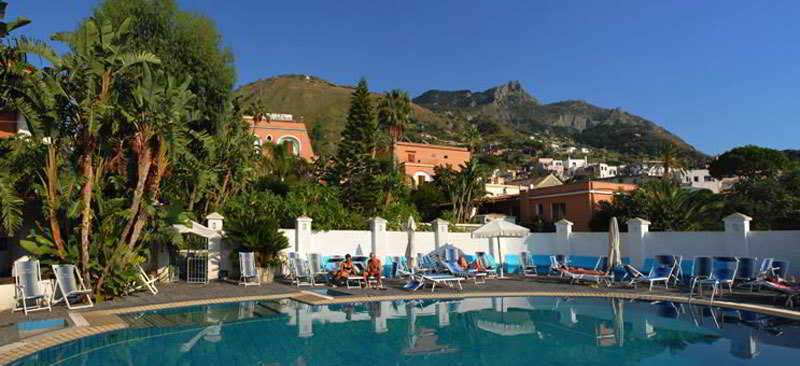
[268, 273]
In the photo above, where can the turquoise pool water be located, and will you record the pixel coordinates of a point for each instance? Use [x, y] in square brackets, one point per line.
[477, 331]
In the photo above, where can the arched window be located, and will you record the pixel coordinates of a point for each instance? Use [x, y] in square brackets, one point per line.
[292, 144]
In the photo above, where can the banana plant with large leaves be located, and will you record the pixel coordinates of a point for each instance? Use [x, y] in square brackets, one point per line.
[94, 77]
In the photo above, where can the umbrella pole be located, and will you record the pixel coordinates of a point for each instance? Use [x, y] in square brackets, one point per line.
[500, 257]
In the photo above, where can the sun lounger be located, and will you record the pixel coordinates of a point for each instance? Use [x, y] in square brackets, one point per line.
[780, 269]
[792, 292]
[302, 276]
[576, 274]
[723, 272]
[70, 284]
[28, 287]
[442, 279]
[663, 271]
[148, 282]
[527, 265]
[455, 270]
[248, 275]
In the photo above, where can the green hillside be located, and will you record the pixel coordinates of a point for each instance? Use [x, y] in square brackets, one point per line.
[323, 106]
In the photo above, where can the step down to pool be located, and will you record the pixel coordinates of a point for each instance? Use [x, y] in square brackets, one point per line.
[311, 298]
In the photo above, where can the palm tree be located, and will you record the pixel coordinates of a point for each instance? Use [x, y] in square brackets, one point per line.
[394, 113]
[671, 160]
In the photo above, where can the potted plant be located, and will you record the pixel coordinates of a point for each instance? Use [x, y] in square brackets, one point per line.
[250, 232]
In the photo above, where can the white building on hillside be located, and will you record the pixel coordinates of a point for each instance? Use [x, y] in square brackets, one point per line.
[700, 179]
[599, 170]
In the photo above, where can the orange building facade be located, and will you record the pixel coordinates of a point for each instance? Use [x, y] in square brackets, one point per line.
[282, 129]
[419, 160]
[575, 202]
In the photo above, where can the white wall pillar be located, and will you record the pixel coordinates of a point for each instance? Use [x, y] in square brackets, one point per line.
[635, 246]
[377, 226]
[302, 232]
[440, 229]
[217, 253]
[737, 230]
[563, 234]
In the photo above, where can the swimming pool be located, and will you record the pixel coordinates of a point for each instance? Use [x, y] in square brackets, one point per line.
[474, 331]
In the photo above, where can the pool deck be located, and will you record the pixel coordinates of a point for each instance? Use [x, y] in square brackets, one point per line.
[103, 318]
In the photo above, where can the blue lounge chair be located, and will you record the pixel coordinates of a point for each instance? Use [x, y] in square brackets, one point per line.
[455, 270]
[575, 277]
[723, 272]
[663, 271]
[527, 265]
[701, 269]
[747, 270]
[441, 279]
[780, 269]
[30, 295]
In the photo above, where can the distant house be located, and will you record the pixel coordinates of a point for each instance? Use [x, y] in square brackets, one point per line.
[575, 202]
[419, 160]
[550, 164]
[598, 170]
[572, 165]
[281, 129]
[700, 179]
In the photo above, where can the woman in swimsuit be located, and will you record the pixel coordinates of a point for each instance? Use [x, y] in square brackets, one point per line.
[345, 268]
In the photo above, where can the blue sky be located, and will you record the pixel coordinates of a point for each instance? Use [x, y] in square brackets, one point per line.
[719, 74]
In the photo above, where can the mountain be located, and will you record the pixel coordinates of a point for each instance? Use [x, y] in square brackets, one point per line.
[323, 106]
[510, 106]
[507, 116]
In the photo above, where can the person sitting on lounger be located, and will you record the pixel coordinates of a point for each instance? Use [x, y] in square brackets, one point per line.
[578, 270]
[462, 262]
[346, 269]
[374, 269]
[478, 265]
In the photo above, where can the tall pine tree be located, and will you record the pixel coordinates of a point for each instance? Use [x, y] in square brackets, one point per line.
[355, 159]
[360, 133]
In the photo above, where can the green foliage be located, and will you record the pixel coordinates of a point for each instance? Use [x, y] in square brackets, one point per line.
[749, 162]
[426, 197]
[251, 223]
[666, 205]
[772, 201]
[462, 187]
[395, 113]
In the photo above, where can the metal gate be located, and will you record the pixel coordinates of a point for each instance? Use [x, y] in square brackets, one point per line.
[197, 268]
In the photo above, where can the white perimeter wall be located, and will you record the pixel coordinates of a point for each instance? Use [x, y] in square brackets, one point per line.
[637, 244]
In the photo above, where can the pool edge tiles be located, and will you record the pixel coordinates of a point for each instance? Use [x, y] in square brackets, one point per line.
[27, 347]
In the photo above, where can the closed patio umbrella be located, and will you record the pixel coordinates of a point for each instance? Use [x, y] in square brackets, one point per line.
[613, 245]
[411, 227]
[500, 229]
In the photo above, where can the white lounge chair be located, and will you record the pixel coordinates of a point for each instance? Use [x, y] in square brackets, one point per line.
[66, 283]
[442, 279]
[148, 282]
[248, 274]
[28, 287]
[302, 276]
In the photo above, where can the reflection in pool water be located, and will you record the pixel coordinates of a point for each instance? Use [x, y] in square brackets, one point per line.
[476, 331]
